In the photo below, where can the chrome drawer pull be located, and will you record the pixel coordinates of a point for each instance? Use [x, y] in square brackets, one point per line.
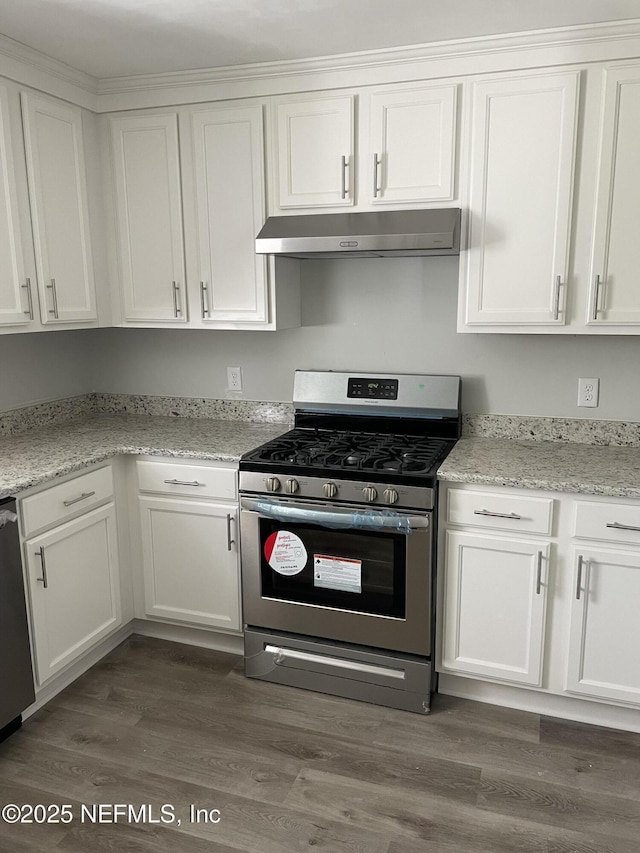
[43, 580]
[511, 515]
[184, 483]
[617, 526]
[54, 297]
[556, 300]
[539, 576]
[82, 497]
[27, 287]
[230, 541]
[376, 163]
[204, 311]
[344, 189]
[579, 581]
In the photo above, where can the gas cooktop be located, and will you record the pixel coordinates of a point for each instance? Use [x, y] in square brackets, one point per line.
[388, 457]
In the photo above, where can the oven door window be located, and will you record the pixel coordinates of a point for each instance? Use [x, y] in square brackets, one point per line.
[359, 570]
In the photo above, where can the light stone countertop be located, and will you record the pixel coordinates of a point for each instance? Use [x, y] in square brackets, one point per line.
[40, 455]
[548, 465]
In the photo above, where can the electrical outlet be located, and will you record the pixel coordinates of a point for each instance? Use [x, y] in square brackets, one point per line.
[588, 392]
[234, 379]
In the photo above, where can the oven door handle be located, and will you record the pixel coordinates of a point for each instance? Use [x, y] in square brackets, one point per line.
[338, 518]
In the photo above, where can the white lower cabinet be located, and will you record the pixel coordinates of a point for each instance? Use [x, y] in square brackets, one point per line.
[604, 630]
[494, 612]
[189, 544]
[556, 612]
[190, 562]
[74, 589]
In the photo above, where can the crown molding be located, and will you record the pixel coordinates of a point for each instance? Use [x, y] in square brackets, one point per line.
[561, 37]
[32, 68]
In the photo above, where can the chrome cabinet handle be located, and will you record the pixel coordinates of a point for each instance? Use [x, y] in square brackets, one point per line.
[511, 515]
[82, 497]
[617, 526]
[556, 299]
[27, 287]
[344, 188]
[184, 483]
[177, 307]
[204, 311]
[376, 162]
[54, 297]
[581, 562]
[230, 541]
[43, 580]
[539, 574]
[597, 282]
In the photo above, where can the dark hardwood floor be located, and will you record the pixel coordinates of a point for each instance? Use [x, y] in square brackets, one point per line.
[157, 723]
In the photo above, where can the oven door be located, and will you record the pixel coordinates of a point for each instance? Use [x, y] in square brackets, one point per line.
[345, 573]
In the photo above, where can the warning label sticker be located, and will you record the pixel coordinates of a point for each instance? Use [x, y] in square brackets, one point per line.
[285, 552]
[337, 573]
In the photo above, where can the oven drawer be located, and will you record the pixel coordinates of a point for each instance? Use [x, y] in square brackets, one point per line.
[612, 522]
[196, 481]
[500, 511]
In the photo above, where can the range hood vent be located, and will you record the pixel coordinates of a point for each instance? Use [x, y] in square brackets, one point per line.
[388, 233]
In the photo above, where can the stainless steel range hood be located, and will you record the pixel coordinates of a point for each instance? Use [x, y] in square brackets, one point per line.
[388, 233]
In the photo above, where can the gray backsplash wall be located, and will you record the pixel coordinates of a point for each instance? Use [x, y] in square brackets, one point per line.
[395, 315]
[43, 366]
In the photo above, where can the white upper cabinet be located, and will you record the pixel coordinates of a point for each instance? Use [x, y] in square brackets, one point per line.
[384, 146]
[228, 172]
[315, 150]
[146, 170]
[16, 297]
[522, 145]
[614, 292]
[59, 209]
[411, 142]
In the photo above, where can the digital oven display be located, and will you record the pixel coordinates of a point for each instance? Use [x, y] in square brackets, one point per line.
[373, 389]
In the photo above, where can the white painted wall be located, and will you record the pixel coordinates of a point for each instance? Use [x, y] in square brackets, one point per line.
[44, 366]
[390, 315]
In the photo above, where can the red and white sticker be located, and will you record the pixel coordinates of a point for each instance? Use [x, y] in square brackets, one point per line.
[339, 573]
[285, 553]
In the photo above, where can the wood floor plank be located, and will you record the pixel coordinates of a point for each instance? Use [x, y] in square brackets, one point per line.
[560, 805]
[290, 769]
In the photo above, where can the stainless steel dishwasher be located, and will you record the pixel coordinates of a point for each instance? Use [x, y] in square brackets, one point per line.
[16, 673]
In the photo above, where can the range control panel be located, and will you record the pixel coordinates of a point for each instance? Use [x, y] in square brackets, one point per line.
[376, 389]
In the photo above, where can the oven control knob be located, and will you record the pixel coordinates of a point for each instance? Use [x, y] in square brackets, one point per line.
[273, 484]
[329, 490]
[370, 494]
[292, 486]
[390, 496]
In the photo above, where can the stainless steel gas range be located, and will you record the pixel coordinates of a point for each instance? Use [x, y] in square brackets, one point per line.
[338, 537]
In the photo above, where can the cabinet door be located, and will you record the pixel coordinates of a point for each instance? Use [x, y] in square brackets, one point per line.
[495, 592]
[190, 561]
[59, 209]
[15, 297]
[228, 150]
[315, 151]
[146, 169]
[74, 589]
[604, 634]
[615, 296]
[522, 154]
[412, 145]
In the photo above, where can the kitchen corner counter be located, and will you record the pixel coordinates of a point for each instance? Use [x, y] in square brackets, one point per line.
[547, 465]
[40, 455]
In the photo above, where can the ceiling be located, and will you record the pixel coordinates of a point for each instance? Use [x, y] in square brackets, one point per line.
[112, 38]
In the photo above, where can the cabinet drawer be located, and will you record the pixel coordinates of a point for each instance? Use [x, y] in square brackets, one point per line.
[66, 499]
[612, 522]
[500, 511]
[197, 481]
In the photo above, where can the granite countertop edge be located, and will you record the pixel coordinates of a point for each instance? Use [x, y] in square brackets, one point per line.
[608, 471]
[43, 455]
